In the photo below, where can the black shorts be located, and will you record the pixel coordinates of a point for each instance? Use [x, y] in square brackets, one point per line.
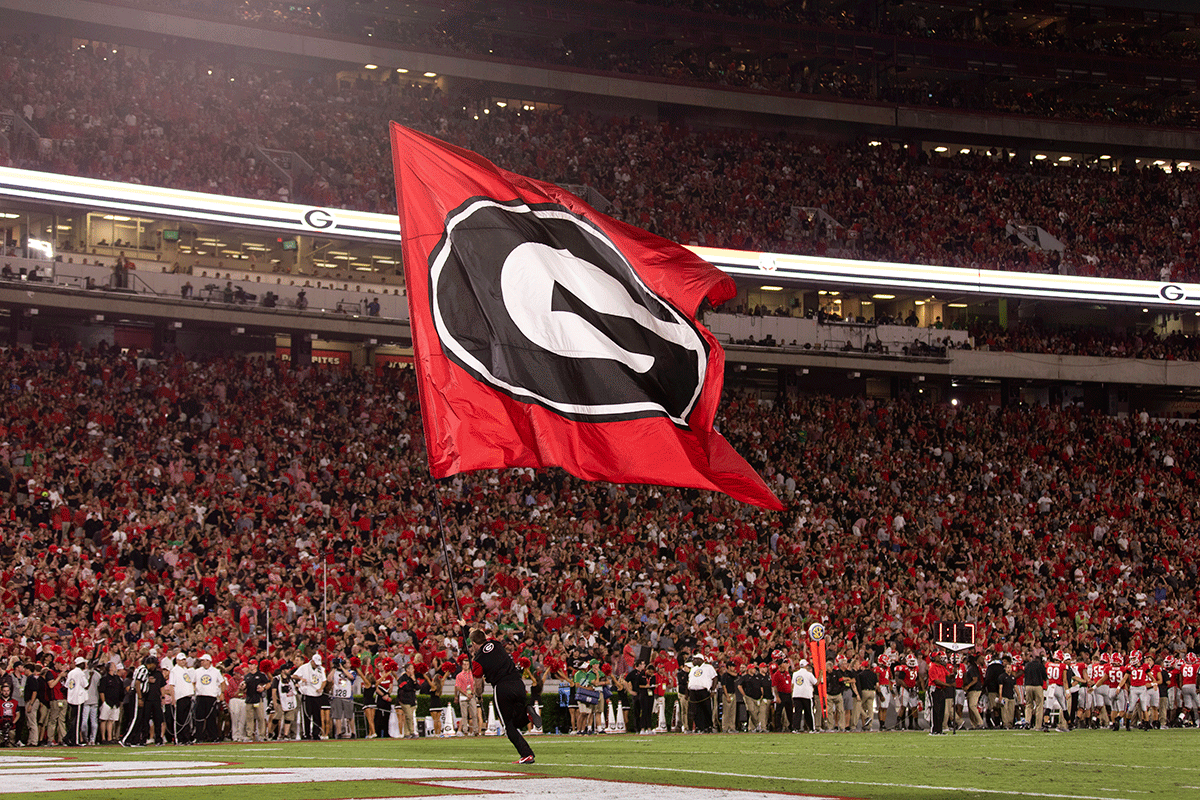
[436, 702]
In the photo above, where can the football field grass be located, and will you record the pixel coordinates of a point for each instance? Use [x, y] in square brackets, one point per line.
[1004, 764]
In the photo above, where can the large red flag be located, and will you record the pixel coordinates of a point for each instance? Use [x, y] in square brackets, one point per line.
[546, 333]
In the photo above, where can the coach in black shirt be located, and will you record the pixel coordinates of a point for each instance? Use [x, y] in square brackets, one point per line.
[493, 663]
[991, 685]
[1035, 680]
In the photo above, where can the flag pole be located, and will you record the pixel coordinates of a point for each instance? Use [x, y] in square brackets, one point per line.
[437, 504]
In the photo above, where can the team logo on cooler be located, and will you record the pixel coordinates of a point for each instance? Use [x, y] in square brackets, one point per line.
[542, 283]
[816, 631]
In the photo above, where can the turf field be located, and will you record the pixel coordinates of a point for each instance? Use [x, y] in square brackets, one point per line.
[983, 764]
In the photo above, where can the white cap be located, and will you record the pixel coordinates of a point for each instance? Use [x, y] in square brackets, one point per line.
[316, 659]
[205, 657]
[80, 660]
[180, 656]
[804, 662]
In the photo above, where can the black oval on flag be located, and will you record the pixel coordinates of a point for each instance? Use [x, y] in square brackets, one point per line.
[541, 304]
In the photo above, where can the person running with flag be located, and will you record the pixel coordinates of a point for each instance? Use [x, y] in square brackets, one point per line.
[492, 662]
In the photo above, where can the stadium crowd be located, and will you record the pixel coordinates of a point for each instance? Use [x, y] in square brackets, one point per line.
[756, 65]
[187, 125]
[167, 510]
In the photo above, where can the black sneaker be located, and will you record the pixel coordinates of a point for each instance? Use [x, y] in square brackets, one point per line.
[535, 719]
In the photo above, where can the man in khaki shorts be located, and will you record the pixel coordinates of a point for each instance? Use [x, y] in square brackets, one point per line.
[470, 719]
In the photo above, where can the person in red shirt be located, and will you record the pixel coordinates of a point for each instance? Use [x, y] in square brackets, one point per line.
[1142, 677]
[1056, 685]
[883, 689]
[1188, 673]
[906, 674]
[1117, 689]
[781, 693]
[1095, 694]
[941, 691]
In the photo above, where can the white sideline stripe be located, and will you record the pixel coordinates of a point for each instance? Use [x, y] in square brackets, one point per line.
[838, 782]
[582, 788]
[1085, 763]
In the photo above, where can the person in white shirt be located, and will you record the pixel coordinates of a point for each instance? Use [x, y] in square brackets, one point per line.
[209, 683]
[803, 684]
[182, 681]
[311, 678]
[78, 681]
[701, 680]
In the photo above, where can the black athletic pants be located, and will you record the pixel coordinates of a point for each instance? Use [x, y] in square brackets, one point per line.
[181, 728]
[510, 702]
[938, 711]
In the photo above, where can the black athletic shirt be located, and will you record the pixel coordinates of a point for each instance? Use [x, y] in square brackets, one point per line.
[493, 663]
